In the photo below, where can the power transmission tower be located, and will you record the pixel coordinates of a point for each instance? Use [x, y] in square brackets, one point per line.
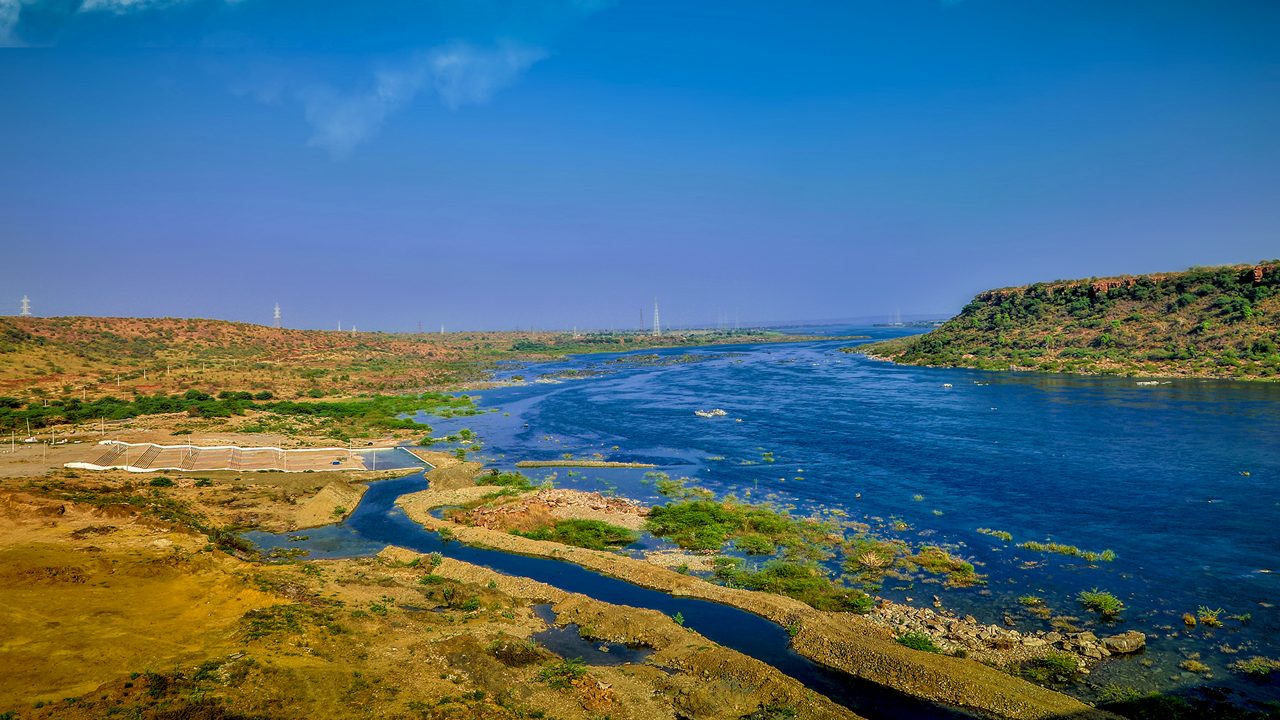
[657, 324]
[26, 307]
[277, 315]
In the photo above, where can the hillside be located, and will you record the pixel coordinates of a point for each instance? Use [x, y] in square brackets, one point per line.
[1202, 322]
[88, 357]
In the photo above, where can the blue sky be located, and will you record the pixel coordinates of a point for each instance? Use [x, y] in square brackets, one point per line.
[494, 164]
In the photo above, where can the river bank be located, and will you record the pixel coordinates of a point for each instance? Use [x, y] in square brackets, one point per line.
[839, 640]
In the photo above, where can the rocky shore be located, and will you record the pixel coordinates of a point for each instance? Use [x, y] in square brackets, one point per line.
[1000, 646]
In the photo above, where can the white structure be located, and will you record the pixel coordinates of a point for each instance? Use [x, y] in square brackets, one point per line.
[277, 315]
[657, 324]
[26, 307]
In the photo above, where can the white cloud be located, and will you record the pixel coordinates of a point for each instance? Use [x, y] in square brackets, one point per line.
[10, 10]
[459, 74]
[121, 7]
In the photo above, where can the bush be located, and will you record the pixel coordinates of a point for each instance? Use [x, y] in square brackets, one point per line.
[1055, 664]
[755, 544]
[561, 675]
[918, 641]
[161, 482]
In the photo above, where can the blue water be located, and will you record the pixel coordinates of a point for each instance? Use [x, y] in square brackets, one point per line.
[1155, 473]
[377, 523]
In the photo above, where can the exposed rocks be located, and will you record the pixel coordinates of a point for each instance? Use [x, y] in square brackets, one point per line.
[536, 508]
[1126, 642]
[999, 645]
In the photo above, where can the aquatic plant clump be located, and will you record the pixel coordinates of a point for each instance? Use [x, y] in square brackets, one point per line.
[959, 573]
[708, 525]
[1061, 549]
[1101, 602]
[805, 581]
[1001, 534]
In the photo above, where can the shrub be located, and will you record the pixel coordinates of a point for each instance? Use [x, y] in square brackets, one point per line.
[161, 482]
[918, 641]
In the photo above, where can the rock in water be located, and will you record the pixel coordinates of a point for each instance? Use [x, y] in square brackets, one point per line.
[1126, 642]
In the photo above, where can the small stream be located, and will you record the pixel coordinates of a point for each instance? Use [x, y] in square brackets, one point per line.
[377, 522]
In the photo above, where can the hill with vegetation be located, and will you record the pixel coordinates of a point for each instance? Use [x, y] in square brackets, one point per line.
[1203, 322]
[95, 357]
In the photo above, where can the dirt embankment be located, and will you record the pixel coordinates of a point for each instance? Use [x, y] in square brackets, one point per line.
[840, 640]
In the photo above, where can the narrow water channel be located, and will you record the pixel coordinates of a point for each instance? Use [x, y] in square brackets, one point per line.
[378, 522]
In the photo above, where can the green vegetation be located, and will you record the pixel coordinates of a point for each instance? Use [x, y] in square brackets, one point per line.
[1056, 665]
[708, 525]
[1060, 549]
[805, 581]
[677, 489]
[563, 674]
[1216, 321]
[350, 418]
[291, 618]
[755, 544]
[592, 534]
[1103, 603]
[1257, 666]
[513, 480]
[918, 641]
[1208, 616]
[1003, 535]
[959, 573]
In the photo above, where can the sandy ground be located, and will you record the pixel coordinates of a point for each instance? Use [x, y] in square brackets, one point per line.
[107, 611]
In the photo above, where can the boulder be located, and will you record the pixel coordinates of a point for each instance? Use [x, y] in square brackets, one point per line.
[1126, 642]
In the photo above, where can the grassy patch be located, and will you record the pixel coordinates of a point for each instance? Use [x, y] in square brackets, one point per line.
[513, 480]
[1055, 666]
[593, 534]
[291, 619]
[805, 581]
[708, 525]
[1072, 550]
[562, 675]
[959, 573]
